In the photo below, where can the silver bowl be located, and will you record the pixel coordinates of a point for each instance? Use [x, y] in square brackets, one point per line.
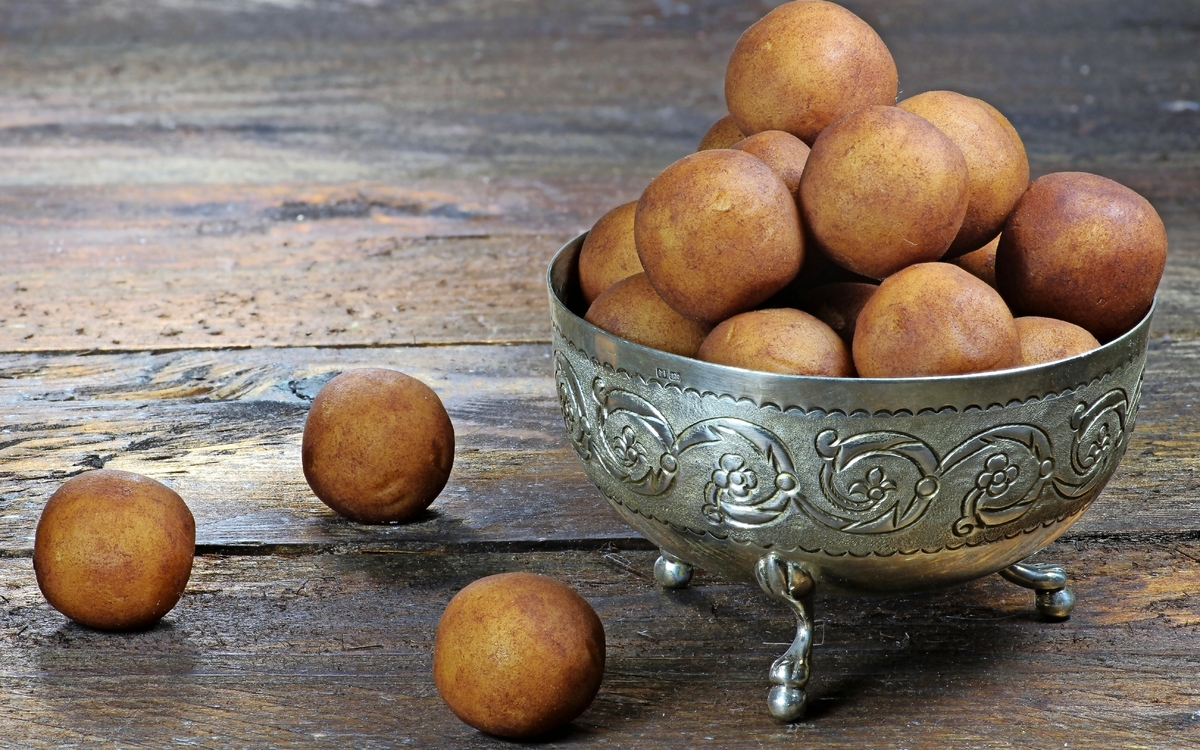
[844, 485]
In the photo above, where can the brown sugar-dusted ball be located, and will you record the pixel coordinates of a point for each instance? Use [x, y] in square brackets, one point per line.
[838, 305]
[378, 445]
[718, 233]
[518, 654]
[721, 134]
[1049, 340]
[783, 152]
[934, 319]
[884, 189]
[1084, 249]
[632, 310]
[997, 168]
[608, 253]
[804, 65]
[113, 550]
[779, 340]
[980, 263]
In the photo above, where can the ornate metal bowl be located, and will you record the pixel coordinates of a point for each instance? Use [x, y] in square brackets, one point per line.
[843, 485]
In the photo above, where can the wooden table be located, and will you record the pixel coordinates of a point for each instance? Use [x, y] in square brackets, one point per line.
[208, 208]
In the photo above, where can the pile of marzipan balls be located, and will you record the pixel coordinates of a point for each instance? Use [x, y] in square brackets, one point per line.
[516, 654]
[822, 229]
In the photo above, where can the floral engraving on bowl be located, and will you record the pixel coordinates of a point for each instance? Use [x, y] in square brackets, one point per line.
[862, 478]
[741, 475]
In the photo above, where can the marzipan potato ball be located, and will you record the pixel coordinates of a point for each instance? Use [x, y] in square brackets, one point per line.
[837, 305]
[378, 445]
[934, 319]
[113, 550]
[1084, 249]
[884, 189]
[803, 66]
[632, 310]
[783, 152]
[608, 253]
[718, 233]
[980, 263]
[1048, 340]
[780, 340]
[518, 654]
[721, 134]
[997, 168]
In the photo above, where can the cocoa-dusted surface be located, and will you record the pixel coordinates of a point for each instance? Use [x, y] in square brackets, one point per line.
[206, 129]
[782, 152]
[934, 319]
[780, 340]
[1082, 248]
[803, 66]
[608, 254]
[632, 310]
[997, 166]
[883, 189]
[1047, 339]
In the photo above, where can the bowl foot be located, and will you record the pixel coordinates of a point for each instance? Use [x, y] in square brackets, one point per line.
[672, 573]
[789, 583]
[1053, 600]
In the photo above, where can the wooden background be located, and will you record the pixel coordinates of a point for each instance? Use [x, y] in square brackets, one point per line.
[209, 207]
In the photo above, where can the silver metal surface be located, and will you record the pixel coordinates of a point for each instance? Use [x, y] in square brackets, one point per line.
[866, 485]
[672, 573]
[1054, 600]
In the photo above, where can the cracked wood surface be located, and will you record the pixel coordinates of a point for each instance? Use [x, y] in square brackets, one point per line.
[209, 207]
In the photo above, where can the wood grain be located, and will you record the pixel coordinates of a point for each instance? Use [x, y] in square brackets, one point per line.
[208, 207]
[224, 429]
[334, 651]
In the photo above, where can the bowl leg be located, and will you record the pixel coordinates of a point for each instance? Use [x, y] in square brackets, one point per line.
[1053, 600]
[670, 572]
[792, 585]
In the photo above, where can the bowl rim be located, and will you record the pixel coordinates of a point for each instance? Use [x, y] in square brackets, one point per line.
[988, 389]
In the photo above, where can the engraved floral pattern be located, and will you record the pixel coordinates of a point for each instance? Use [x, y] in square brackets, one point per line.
[1101, 445]
[998, 475]
[734, 477]
[873, 488]
[626, 448]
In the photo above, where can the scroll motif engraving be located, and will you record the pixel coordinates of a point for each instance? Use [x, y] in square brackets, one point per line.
[873, 502]
[871, 483]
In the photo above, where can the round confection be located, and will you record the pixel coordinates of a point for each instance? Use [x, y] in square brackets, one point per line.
[608, 253]
[632, 310]
[803, 66]
[378, 445]
[934, 319]
[997, 168]
[1081, 248]
[980, 263]
[779, 340]
[1049, 340]
[517, 655]
[721, 134]
[113, 550]
[837, 305]
[884, 189]
[783, 152]
[718, 233]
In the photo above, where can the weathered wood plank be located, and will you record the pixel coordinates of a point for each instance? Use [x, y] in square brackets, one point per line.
[150, 189]
[334, 651]
[224, 428]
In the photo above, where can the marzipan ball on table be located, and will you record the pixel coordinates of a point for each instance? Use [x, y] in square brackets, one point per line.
[997, 168]
[717, 233]
[884, 189]
[804, 65]
[1081, 248]
[608, 253]
[518, 654]
[779, 340]
[632, 310]
[934, 319]
[378, 445]
[113, 550]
